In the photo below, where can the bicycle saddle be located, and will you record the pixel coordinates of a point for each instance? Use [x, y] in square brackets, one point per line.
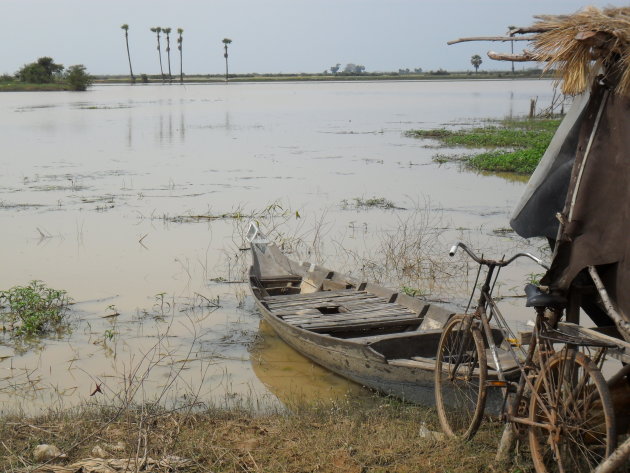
[538, 298]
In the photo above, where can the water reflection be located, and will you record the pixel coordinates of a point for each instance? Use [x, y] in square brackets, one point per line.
[293, 378]
[129, 130]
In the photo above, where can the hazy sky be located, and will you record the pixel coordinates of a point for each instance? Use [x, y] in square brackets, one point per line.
[267, 35]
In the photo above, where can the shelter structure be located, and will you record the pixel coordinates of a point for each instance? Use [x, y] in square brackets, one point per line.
[579, 196]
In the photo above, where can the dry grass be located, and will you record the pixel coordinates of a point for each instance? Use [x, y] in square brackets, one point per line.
[578, 45]
[385, 438]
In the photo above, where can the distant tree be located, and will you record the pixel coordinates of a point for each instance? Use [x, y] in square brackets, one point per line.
[225, 42]
[49, 65]
[180, 40]
[167, 32]
[334, 69]
[476, 62]
[78, 78]
[354, 69]
[418, 70]
[157, 30]
[125, 27]
[33, 73]
[44, 71]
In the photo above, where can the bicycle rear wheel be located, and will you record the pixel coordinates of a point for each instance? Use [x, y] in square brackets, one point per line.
[572, 400]
[460, 378]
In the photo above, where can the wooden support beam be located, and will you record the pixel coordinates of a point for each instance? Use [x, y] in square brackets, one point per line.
[525, 56]
[492, 38]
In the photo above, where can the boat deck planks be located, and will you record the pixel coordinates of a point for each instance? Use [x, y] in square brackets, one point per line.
[313, 295]
[338, 310]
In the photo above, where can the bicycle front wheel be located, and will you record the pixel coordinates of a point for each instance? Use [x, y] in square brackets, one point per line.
[460, 378]
[571, 404]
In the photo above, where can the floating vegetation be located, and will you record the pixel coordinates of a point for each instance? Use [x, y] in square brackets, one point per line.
[274, 209]
[8, 206]
[518, 144]
[103, 107]
[360, 203]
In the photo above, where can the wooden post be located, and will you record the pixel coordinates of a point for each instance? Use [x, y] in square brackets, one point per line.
[506, 446]
[532, 107]
[573, 306]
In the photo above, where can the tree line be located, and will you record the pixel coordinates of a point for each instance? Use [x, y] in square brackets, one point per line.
[357, 69]
[158, 30]
[46, 71]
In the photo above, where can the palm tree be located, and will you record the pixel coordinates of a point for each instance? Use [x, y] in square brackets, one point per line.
[167, 32]
[226, 41]
[179, 46]
[476, 62]
[126, 28]
[157, 30]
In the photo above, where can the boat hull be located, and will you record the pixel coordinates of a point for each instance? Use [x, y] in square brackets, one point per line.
[357, 362]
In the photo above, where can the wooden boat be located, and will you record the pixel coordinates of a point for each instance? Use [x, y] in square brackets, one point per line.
[379, 338]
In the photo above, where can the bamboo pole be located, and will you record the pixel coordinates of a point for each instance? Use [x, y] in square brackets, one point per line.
[622, 325]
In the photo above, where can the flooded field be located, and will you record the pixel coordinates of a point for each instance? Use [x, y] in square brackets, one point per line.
[135, 200]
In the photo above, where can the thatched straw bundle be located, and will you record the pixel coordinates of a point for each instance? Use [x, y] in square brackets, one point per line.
[578, 45]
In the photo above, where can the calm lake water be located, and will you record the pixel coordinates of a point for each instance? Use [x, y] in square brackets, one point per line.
[100, 192]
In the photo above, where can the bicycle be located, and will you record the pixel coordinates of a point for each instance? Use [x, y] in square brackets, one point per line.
[558, 396]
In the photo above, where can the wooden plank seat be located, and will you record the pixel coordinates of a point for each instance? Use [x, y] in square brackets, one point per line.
[330, 311]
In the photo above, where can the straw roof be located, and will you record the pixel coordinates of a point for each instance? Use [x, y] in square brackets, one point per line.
[580, 45]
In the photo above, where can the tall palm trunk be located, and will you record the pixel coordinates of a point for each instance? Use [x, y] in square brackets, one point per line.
[157, 30]
[167, 31]
[160, 54]
[225, 55]
[180, 40]
[126, 28]
[226, 41]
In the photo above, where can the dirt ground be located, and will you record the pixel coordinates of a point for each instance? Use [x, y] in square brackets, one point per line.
[386, 438]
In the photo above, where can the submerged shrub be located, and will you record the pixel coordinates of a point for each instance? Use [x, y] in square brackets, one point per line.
[33, 309]
[78, 78]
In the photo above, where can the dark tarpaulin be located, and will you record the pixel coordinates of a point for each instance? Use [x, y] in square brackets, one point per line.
[544, 196]
[597, 209]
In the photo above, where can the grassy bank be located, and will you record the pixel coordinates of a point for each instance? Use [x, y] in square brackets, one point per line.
[26, 87]
[370, 76]
[511, 145]
[16, 86]
[385, 438]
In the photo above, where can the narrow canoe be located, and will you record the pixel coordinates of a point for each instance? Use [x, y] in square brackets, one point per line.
[379, 338]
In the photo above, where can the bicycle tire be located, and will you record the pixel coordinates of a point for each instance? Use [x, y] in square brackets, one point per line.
[571, 396]
[460, 388]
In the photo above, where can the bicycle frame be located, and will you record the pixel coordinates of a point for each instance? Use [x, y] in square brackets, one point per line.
[486, 303]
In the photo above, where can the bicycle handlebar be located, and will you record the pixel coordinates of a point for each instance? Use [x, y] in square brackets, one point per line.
[489, 262]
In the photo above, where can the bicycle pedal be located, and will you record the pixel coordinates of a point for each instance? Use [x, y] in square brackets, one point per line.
[497, 384]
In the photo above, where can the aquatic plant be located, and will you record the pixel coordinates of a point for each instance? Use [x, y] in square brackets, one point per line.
[33, 309]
